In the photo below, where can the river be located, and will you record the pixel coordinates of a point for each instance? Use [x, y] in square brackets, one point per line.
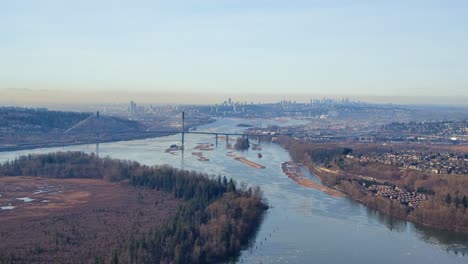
[302, 225]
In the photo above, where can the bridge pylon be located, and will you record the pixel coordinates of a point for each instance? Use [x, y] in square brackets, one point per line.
[183, 128]
[97, 133]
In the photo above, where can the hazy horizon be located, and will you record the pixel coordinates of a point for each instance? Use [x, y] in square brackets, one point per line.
[45, 98]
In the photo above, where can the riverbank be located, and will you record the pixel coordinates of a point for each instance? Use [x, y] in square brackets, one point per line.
[427, 214]
[421, 216]
[425, 201]
[293, 171]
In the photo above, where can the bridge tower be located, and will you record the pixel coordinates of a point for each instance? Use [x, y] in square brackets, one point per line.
[97, 133]
[183, 128]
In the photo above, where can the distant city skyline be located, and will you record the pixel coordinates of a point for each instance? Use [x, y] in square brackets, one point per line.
[44, 98]
[389, 51]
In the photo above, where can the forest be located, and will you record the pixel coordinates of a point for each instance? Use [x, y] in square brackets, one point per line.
[447, 194]
[17, 119]
[242, 143]
[216, 219]
[27, 128]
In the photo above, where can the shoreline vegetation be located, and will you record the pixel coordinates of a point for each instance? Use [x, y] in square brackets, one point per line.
[216, 220]
[445, 206]
[242, 143]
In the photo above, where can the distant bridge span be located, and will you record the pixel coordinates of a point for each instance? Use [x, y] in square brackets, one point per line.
[167, 132]
[97, 132]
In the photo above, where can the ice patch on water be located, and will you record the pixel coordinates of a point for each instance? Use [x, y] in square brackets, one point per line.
[45, 201]
[25, 199]
[40, 191]
[8, 207]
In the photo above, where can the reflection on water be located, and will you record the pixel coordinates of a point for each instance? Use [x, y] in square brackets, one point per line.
[392, 223]
[304, 206]
[452, 242]
[303, 225]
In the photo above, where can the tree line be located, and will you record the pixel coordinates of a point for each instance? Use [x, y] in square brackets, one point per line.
[37, 120]
[242, 143]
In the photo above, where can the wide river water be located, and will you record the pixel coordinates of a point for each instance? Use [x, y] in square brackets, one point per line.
[303, 225]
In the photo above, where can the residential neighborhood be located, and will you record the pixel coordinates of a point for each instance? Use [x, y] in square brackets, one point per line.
[430, 162]
[411, 199]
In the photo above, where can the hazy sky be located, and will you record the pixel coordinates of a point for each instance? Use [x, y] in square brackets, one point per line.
[408, 47]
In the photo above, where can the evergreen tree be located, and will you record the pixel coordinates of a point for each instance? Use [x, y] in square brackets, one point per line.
[448, 199]
[115, 258]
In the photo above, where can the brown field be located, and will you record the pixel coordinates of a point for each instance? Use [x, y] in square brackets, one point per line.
[74, 220]
[456, 148]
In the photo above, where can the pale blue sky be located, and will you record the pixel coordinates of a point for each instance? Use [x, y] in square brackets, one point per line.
[237, 46]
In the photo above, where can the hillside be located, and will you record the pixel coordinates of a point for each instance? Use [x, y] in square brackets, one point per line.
[105, 124]
[24, 128]
[17, 119]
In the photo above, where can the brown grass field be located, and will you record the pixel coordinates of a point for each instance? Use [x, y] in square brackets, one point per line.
[74, 220]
